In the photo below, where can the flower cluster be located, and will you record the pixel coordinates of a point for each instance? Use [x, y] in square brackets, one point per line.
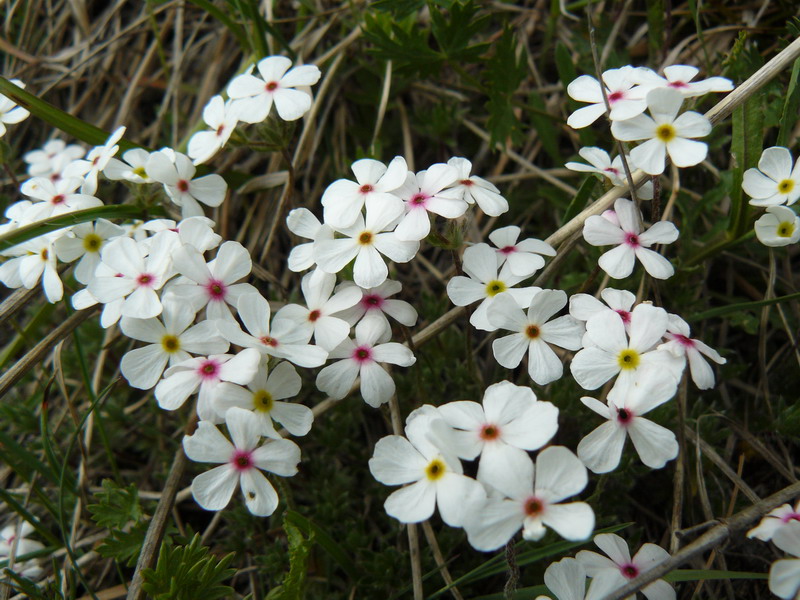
[775, 184]
[782, 526]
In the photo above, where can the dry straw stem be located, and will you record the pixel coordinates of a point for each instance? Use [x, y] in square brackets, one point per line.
[712, 538]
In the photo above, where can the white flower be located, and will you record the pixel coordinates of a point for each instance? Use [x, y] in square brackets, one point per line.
[112, 311]
[533, 502]
[195, 231]
[665, 133]
[24, 545]
[255, 96]
[365, 242]
[86, 241]
[602, 164]
[510, 422]
[374, 187]
[609, 574]
[95, 161]
[630, 241]
[222, 118]
[135, 278]
[484, 283]
[263, 398]
[679, 77]
[170, 342]
[52, 158]
[55, 198]
[476, 190]
[133, 169]
[681, 345]
[435, 474]
[625, 98]
[303, 223]
[242, 463]
[423, 193]
[583, 306]
[203, 374]
[779, 226]
[774, 520]
[213, 284]
[612, 352]
[784, 575]
[566, 579]
[360, 358]
[600, 451]
[176, 174]
[284, 339]
[10, 113]
[534, 333]
[317, 316]
[775, 181]
[523, 257]
[376, 303]
[37, 262]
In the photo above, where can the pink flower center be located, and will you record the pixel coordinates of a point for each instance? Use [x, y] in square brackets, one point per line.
[489, 432]
[632, 240]
[684, 341]
[466, 182]
[624, 315]
[418, 199]
[59, 199]
[624, 416]
[366, 188]
[507, 250]
[314, 315]
[615, 97]
[629, 571]
[269, 341]
[55, 177]
[220, 130]
[612, 170]
[271, 86]
[216, 290]
[533, 506]
[182, 185]
[790, 517]
[362, 354]
[371, 302]
[242, 460]
[145, 280]
[208, 370]
[677, 84]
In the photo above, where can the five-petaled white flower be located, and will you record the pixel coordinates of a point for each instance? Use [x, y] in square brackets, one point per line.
[779, 226]
[534, 333]
[255, 96]
[601, 450]
[775, 181]
[95, 161]
[665, 133]
[85, 241]
[625, 98]
[10, 113]
[681, 345]
[523, 257]
[601, 163]
[784, 575]
[679, 77]
[222, 118]
[242, 462]
[631, 242]
[423, 193]
[476, 190]
[175, 171]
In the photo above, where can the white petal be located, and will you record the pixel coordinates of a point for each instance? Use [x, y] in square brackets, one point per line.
[213, 489]
[259, 495]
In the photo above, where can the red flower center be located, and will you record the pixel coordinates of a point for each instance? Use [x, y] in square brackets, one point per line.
[314, 315]
[362, 354]
[615, 96]
[632, 240]
[418, 199]
[508, 249]
[534, 506]
[629, 571]
[272, 86]
[242, 460]
[208, 369]
[466, 182]
[145, 280]
[182, 185]
[366, 188]
[59, 199]
[216, 290]
[490, 432]
[684, 341]
[625, 315]
[624, 416]
[269, 341]
[371, 301]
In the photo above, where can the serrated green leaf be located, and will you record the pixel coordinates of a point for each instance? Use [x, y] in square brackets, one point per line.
[124, 546]
[299, 550]
[456, 28]
[116, 505]
[336, 552]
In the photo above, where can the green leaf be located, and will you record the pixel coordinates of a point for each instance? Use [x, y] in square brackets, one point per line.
[403, 42]
[113, 211]
[454, 30]
[741, 307]
[505, 70]
[299, 549]
[116, 505]
[124, 546]
[59, 119]
[545, 126]
[336, 552]
[655, 30]
[791, 107]
[188, 573]
[579, 201]
[700, 575]
[222, 17]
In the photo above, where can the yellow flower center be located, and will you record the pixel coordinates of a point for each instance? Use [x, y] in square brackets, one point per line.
[435, 469]
[262, 401]
[628, 359]
[171, 344]
[365, 238]
[785, 229]
[92, 242]
[532, 331]
[786, 186]
[44, 254]
[140, 172]
[665, 132]
[495, 287]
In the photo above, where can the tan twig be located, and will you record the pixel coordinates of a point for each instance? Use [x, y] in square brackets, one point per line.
[707, 541]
